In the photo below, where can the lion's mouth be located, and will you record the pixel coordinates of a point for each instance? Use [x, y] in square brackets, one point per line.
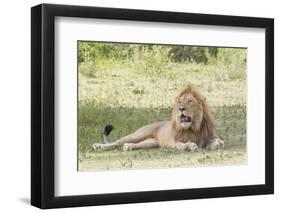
[185, 119]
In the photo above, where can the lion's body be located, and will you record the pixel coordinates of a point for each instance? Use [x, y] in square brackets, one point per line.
[191, 126]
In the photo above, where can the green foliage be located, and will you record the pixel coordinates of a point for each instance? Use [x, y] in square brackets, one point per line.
[153, 60]
[94, 51]
[232, 56]
[150, 59]
[192, 54]
[234, 60]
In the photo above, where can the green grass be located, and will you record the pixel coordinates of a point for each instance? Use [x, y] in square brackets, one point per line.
[128, 98]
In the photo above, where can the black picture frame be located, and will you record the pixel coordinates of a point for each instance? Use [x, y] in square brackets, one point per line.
[43, 102]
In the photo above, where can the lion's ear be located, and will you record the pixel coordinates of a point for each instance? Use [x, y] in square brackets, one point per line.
[204, 99]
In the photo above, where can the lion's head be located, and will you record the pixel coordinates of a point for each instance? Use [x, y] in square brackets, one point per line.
[191, 113]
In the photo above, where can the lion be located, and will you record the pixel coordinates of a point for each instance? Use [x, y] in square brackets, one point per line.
[191, 127]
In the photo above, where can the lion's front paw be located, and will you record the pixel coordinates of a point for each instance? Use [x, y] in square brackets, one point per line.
[192, 147]
[128, 147]
[221, 142]
[216, 144]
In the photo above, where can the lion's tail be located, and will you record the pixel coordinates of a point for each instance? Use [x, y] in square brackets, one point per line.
[107, 130]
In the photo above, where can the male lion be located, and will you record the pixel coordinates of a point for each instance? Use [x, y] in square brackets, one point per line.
[191, 126]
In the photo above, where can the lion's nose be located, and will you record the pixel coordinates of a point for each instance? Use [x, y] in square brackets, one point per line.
[181, 109]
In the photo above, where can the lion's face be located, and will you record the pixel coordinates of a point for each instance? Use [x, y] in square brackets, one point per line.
[188, 112]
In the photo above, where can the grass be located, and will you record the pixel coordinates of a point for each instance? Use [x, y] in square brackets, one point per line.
[160, 158]
[128, 98]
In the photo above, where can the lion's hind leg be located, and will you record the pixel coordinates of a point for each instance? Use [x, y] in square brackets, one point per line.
[135, 137]
[138, 136]
[145, 144]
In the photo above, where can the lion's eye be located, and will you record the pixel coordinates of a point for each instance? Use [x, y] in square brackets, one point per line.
[189, 101]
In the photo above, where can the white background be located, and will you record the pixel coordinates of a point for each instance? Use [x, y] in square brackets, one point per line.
[15, 106]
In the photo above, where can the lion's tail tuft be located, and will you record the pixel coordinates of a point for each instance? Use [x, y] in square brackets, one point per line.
[107, 130]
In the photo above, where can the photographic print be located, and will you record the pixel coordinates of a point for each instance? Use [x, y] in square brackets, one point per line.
[158, 100]
[143, 106]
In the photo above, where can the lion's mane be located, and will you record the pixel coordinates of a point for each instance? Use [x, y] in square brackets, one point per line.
[203, 128]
